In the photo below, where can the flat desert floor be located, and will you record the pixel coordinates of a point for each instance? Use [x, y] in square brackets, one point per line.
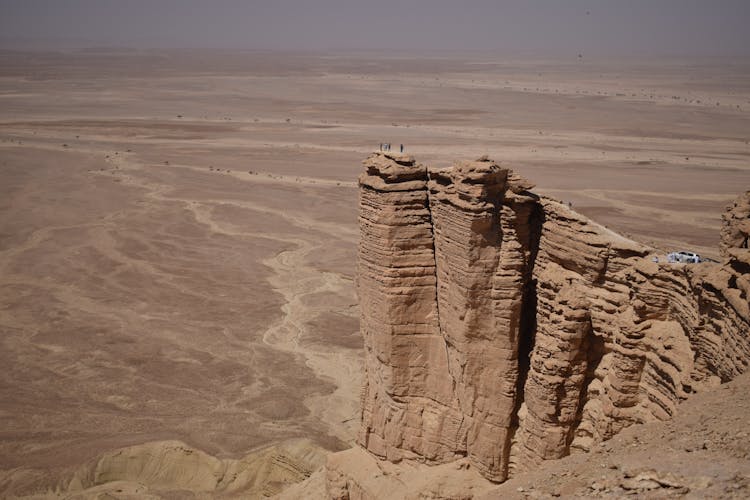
[178, 232]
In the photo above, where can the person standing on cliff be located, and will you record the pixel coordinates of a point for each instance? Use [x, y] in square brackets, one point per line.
[402, 148]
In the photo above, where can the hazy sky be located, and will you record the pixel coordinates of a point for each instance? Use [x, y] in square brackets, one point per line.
[603, 27]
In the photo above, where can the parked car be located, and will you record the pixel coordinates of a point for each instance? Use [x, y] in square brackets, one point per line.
[684, 257]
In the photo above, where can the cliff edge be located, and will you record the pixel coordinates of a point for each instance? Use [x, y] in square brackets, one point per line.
[503, 329]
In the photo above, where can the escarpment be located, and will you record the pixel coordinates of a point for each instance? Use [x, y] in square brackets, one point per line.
[502, 328]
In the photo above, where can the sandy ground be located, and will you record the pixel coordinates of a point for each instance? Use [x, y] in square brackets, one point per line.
[178, 229]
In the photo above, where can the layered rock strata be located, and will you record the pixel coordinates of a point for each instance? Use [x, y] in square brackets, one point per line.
[735, 230]
[503, 329]
[442, 273]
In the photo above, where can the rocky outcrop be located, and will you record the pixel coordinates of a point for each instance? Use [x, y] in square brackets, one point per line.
[442, 274]
[723, 293]
[735, 230]
[503, 329]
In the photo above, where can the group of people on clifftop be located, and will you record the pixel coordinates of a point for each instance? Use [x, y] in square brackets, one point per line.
[386, 146]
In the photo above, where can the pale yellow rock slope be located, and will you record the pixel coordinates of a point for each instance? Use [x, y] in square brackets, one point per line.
[172, 469]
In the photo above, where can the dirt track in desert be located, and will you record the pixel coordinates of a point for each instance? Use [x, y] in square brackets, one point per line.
[178, 230]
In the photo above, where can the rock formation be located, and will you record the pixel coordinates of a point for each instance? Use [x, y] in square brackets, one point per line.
[735, 231]
[171, 469]
[503, 329]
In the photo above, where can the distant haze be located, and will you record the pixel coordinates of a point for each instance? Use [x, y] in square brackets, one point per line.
[588, 27]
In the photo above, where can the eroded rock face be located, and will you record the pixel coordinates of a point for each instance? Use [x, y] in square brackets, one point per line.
[443, 270]
[504, 329]
[735, 231]
[724, 295]
[399, 319]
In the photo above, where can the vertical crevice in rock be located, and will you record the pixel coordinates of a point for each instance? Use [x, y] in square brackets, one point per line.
[527, 337]
[531, 236]
[444, 181]
[557, 371]
[581, 437]
[565, 269]
[479, 295]
[529, 309]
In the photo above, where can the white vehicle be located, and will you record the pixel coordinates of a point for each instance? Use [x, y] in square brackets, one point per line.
[684, 257]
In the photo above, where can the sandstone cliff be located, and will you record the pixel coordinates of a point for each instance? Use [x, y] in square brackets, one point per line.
[735, 231]
[503, 329]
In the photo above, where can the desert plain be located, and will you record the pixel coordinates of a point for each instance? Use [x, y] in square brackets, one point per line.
[178, 234]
